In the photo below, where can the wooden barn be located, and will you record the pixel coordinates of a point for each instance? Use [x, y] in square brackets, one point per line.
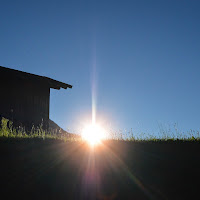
[24, 97]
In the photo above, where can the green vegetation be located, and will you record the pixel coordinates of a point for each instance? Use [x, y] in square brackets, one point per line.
[164, 134]
[7, 130]
[168, 134]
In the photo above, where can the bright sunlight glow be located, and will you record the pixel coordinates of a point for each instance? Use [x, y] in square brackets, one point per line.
[93, 134]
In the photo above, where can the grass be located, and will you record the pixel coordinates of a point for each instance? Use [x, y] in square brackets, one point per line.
[7, 130]
[57, 171]
[164, 134]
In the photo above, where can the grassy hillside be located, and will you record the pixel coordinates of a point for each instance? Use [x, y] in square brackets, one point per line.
[55, 132]
[53, 169]
[42, 165]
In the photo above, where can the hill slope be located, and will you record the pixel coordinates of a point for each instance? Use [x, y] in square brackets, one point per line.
[55, 128]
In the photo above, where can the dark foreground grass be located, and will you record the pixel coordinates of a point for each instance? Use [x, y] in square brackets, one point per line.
[42, 165]
[33, 168]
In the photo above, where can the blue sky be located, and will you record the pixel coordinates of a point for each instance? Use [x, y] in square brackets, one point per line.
[138, 59]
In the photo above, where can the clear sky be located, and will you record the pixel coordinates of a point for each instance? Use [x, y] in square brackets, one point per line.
[136, 62]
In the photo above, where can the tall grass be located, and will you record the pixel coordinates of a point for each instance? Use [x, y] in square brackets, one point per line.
[164, 134]
[7, 130]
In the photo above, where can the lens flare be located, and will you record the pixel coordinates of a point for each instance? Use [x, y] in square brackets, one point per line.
[93, 134]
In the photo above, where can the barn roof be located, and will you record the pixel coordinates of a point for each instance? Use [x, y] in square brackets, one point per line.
[51, 83]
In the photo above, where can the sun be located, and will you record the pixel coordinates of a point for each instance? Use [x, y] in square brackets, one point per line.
[93, 134]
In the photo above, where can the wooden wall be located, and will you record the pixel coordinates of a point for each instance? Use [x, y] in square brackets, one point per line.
[25, 102]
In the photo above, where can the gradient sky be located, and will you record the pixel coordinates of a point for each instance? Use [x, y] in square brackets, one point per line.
[139, 60]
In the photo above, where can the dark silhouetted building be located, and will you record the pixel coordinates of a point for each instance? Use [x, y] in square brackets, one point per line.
[24, 97]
